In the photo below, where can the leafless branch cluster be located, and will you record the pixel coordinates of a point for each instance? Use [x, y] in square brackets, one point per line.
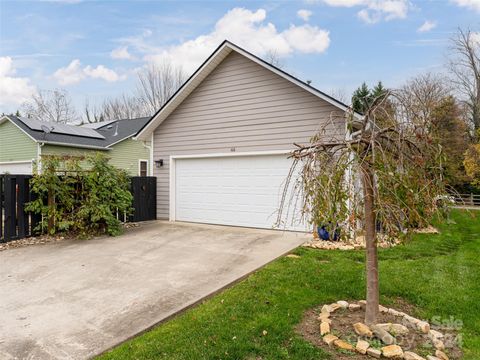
[51, 105]
[156, 83]
[419, 97]
[464, 65]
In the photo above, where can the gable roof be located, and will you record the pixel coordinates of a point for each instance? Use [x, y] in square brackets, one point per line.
[225, 48]
[119, 130]
[102, 137]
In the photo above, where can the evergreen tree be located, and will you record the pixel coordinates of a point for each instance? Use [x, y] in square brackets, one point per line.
[361, 98]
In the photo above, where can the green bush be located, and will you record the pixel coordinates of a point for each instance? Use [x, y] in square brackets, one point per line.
[80, 195]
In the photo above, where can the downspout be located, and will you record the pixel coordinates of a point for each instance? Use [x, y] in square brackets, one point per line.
[150, 150]
[39, 156]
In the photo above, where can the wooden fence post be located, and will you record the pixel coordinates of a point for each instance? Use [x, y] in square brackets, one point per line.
[10, 208]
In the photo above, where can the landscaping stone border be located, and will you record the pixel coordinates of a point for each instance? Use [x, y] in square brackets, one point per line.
[384, 332]
[359, 241]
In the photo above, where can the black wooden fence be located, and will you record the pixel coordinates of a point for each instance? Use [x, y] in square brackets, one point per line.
[144, 191]
[17, 223]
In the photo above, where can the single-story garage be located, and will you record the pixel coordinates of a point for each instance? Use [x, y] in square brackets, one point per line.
[221, 143]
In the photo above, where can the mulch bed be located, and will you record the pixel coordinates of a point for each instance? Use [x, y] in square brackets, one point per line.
[342, 327]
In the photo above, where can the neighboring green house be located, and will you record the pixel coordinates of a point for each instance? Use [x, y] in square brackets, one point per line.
[23, 141]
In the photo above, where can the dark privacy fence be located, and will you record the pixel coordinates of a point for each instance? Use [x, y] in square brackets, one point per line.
[17, 223]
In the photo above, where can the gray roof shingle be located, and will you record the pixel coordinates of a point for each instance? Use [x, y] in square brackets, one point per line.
[100, 138]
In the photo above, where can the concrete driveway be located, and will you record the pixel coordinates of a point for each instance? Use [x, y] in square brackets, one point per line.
[75, 299]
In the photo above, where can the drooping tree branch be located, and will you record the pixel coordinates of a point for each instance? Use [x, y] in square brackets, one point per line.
[398, 172]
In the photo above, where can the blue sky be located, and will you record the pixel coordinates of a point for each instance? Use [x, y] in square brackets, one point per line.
[93, 49]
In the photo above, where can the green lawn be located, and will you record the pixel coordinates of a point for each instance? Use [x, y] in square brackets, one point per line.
[440, 274]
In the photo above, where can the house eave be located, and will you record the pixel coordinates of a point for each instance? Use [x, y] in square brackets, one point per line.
[56, 143]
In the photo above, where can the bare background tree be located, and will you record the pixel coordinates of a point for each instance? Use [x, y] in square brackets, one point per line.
[51, 105]
[91, 113]
[341, 95]
[419, 98]
[464, 66]
[120, 107]
[157, 83]
[273, 58]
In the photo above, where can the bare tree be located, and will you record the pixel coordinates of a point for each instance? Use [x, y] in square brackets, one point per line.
[340, 94]
[419, 97]
[51, 105]
[116, 108]
[157, 83]
[92, 113]
[399, 175]
[123, 107]
[273, 58]
[464, 65]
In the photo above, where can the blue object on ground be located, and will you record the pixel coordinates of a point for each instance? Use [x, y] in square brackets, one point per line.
[323, 233]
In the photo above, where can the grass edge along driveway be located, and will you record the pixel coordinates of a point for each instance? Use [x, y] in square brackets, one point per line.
[256, 318]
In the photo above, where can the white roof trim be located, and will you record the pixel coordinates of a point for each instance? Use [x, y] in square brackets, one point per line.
[72, 145]
[119, 141]
[206, 68]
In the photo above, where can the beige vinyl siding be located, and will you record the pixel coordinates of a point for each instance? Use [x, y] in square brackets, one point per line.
[242, 106]
[126, 155]
[15, 145]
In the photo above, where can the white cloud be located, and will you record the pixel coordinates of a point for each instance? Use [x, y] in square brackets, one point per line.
[375, 10]
[427, 26]
[121, 53]
[344, 3]
[307, 39]
[74, 73]
[471, 4]
[102, 72]
[367, 17]
[304, 14]
[13, 90]
[71, 74]
[247, 29]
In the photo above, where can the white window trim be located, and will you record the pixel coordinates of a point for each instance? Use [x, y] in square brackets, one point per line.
[172, 170]
[139, 164]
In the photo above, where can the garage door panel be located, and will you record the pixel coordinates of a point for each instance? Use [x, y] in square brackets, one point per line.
[236, 190]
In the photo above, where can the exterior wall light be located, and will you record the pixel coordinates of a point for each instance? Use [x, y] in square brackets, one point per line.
[158, 163]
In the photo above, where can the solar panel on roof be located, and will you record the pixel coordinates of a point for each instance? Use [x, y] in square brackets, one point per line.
[98, 124]
[58, 128]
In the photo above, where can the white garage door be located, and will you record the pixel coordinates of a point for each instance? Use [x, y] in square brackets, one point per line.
[233, 190]
[20, 168]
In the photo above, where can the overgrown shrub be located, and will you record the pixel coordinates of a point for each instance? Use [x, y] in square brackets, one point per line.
[81, 195]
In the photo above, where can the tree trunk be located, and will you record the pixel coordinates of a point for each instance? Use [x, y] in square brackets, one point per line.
[371, 312]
